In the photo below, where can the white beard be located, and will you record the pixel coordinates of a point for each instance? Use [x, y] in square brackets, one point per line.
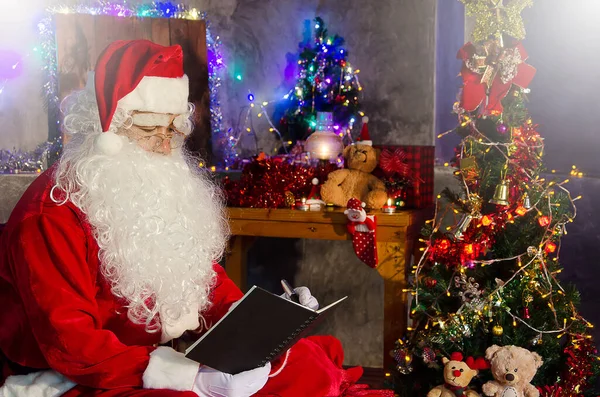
[160, 227]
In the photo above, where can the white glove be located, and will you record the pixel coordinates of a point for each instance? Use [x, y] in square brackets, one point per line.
[306, 299]
[213, 383]
[233, 305]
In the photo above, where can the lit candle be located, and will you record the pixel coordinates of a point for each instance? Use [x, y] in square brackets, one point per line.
[303, 206]
[390, 207]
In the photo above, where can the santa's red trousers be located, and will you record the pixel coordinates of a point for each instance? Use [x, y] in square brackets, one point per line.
[313, 368]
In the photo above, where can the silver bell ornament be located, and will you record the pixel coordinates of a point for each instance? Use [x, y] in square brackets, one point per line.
[526, 202]
[462, 226]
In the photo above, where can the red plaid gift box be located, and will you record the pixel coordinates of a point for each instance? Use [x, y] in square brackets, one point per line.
[420, 160]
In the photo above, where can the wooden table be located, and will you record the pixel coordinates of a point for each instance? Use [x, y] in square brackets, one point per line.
[396, 241]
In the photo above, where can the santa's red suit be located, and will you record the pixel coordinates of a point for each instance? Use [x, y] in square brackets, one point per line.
[58, 313]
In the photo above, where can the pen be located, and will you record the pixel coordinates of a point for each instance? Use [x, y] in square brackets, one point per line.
[287, 288]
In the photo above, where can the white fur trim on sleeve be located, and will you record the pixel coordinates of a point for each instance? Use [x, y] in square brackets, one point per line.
[171, 370]
[158, 95]
[37, 384]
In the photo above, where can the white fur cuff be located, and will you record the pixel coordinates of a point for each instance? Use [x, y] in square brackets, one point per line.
[37, 384]
[158, 95]
[171, 370]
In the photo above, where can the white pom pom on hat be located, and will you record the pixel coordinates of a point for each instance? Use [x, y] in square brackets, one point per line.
[365, 119]
[315, 181]
[108, 143]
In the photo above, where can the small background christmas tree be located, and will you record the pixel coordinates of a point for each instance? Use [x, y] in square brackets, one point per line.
[490, 270]
[326, 82]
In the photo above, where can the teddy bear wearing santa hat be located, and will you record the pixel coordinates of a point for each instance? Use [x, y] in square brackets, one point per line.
[113, 251]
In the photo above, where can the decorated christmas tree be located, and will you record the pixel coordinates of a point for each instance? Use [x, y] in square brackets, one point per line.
[326, 82]
[489, 274]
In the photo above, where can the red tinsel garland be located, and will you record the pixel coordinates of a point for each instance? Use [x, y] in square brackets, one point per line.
[265, 181]
[581, 354]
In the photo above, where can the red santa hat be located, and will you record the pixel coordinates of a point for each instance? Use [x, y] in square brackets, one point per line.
[139, 75]
[355, 204]
[315, 190]
[365, 138]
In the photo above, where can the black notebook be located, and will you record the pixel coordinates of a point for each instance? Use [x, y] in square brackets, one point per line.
[258, 330]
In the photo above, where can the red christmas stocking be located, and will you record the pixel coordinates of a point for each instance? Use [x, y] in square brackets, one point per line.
[364, 240]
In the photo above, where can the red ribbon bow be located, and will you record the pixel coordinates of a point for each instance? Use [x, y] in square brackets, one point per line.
[394, 162]
[475, 88]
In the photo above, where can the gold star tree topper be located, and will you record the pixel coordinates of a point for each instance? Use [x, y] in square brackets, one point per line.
[494, 18]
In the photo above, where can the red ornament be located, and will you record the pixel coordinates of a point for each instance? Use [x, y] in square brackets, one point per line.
[544, 221]
[430, 282]
[526, 314]
[428, 355]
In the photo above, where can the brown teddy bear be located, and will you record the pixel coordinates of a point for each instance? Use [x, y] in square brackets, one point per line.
[356, 179]
[513, 368]
[457, 374]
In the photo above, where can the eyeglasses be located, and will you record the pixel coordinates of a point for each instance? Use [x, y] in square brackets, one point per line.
[151, 130]
[152, 138]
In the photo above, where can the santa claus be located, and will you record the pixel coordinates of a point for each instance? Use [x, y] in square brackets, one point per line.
[112, 252]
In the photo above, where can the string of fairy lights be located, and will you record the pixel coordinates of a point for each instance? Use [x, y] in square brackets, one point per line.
[247, 126]
[349, 76]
